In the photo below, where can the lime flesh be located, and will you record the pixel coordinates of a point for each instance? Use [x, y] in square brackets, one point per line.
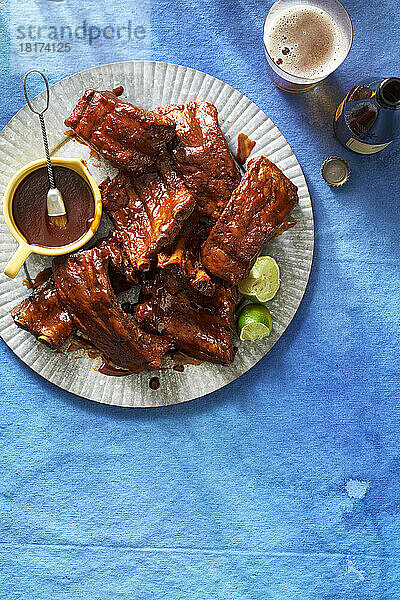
[254, 331]
[254, 322]
[263, 281]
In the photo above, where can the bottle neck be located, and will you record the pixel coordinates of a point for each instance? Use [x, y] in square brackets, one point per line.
[388, 93]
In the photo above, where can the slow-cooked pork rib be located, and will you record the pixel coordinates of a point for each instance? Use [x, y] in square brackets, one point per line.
[176, 169]
[43, 315]
[148, 211]
[42, 312]
[183, 257]
[84, 289]
[257, 208]
[128, 136]
[122, 274]
[200, 326]
[201, 155]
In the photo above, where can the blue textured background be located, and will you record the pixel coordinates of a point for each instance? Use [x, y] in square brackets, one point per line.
[284, 485]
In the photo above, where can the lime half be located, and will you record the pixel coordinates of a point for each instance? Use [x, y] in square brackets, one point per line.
[254, 322]
[263, 281]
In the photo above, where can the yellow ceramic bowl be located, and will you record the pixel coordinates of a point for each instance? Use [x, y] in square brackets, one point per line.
[24, 249]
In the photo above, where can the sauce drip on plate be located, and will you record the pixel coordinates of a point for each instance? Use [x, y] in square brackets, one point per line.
[288, 224]
[30, 207]
[154, 383]
[40, 278]
[245, 146]
[118, 91]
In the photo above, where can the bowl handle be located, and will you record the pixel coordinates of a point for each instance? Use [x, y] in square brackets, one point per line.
[16, 262]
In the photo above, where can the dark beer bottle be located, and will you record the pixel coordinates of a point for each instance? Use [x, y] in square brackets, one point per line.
[368, 119]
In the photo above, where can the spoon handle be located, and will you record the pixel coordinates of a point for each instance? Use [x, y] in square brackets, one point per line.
[46, 149]
[40, 113]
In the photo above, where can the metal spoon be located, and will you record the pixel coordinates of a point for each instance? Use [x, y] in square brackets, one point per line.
[55, 204]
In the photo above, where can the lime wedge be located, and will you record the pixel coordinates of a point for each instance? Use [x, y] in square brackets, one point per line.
[254, 322]
[263, 281]
[254, 331]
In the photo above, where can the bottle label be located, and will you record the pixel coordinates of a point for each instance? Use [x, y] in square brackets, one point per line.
[362, 148]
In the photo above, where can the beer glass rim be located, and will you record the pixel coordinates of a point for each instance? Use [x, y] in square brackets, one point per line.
[299, 77]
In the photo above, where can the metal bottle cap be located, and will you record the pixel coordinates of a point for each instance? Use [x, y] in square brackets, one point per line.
[335, 171]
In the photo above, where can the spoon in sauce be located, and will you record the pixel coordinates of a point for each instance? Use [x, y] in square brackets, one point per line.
[55, 204]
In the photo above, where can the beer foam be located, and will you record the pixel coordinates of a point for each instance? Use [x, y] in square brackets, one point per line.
[306, 41]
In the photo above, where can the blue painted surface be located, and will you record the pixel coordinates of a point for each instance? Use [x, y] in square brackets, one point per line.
[284, 484]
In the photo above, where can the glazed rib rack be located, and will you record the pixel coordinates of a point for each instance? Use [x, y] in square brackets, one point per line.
[187, 229]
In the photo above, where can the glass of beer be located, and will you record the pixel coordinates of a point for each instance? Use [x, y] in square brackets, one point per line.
[305, 41]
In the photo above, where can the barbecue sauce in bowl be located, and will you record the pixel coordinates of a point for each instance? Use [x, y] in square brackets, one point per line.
[29, 207]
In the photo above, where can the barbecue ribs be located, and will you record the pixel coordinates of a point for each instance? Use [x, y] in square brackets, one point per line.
[200, 326]
[122, 274]
[148, 211]
[84, 288]
[183, 257]
[42, 312]
[201, 155]
[257, 208]
[43, 315]
[176, 175]
[128, 136]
